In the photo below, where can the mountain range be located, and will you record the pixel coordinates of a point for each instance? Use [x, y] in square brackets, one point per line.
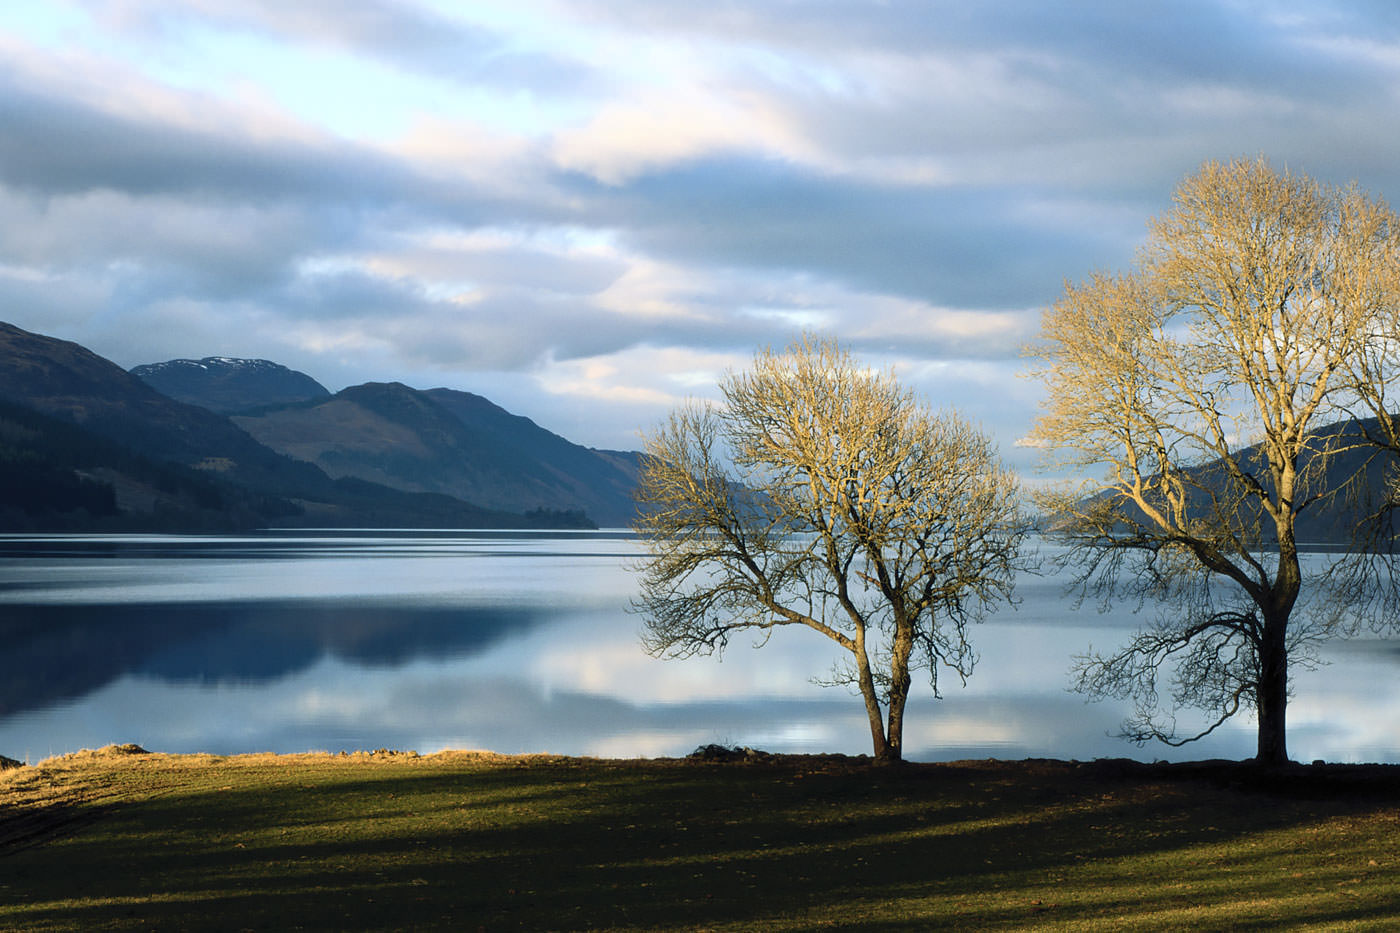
[222, 443]
[448, 442]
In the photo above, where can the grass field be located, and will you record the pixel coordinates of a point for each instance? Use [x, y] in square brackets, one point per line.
[121, 840]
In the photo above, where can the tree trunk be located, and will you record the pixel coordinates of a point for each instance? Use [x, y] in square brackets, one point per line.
[872, 702]
[895, 746]
[899, 690]
[1272, 696]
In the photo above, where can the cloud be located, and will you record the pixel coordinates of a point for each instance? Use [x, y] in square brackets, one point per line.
[158, 244]
[661, 128]
[408, 36]
[640, 374]
[556, 260]
[61, 148]
[939, 244]
[1026, 93]
[555, 201]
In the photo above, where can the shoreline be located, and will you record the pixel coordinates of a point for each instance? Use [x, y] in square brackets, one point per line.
[743, 757]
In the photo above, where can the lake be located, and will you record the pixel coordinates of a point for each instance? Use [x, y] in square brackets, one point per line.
[523, 642]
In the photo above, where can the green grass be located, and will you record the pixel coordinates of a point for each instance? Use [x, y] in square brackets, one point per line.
[460, 841]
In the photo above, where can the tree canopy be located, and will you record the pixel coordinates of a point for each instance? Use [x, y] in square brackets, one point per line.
[823, 494]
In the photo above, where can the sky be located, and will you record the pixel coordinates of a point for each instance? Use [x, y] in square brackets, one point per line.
[589, 210]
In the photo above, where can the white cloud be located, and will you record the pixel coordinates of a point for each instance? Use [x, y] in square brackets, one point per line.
[656, 377]
[663, 126]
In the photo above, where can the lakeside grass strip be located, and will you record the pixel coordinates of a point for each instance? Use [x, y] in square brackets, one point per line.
[468, 841]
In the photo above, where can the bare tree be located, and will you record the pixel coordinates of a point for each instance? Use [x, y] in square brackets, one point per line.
[821, 494]
[1374, 367]
[1207, 385]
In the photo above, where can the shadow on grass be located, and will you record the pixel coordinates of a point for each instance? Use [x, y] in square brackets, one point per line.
[791, 843]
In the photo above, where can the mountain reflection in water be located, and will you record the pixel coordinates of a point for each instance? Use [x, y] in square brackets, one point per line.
[64, 651]
[522, 642]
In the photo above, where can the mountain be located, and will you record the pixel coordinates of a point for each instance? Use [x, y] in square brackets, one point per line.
[77, 425]
[449, 442]
[71, 383]
[58, 476]
[225, 385]
[601, 481]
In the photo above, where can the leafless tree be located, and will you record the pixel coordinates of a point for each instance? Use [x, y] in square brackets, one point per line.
[1373, 370]
[822, 494]
[1208, 385]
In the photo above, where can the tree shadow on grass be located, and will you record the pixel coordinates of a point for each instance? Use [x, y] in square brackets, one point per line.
[789, 843]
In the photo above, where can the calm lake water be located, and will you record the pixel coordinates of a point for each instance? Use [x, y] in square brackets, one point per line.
[522, 642]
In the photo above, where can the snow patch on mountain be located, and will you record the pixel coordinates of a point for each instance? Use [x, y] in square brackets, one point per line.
[227, 384]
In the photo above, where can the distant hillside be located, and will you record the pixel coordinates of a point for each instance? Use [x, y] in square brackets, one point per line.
[105, 431]
[55, 476]
[1338, 519]
[71, 383]
[449, 442]
[227, 385]
[602, 481]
